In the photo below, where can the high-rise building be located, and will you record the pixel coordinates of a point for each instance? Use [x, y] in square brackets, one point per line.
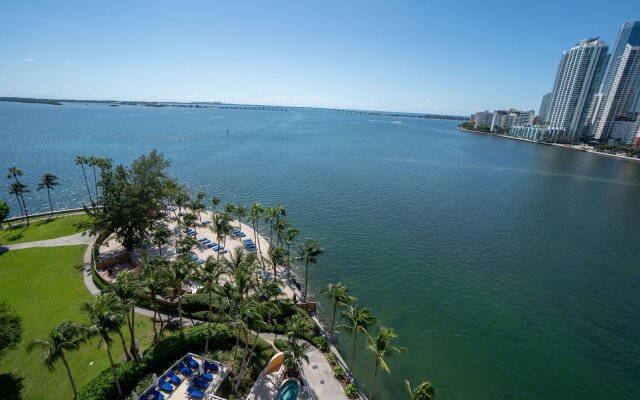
[622, 99]
[544, 108]
[578, 78]
[629, 34]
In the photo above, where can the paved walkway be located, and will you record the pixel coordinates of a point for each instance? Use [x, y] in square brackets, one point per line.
[61, 241]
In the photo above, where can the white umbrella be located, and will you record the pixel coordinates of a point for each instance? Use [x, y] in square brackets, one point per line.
[156, 382]
[200, 369]
[134, 396]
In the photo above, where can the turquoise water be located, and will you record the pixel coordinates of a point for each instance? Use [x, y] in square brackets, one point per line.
[509, 270]
[288, 391]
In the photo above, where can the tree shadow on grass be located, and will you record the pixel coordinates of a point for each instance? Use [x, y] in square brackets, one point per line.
[11, 386]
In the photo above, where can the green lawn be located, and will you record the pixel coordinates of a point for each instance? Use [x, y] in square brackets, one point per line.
[41, 229]
[45, 286]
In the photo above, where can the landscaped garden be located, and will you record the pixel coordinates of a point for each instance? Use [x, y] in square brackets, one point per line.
[41, 229]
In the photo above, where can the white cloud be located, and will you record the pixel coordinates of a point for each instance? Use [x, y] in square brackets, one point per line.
[66, 61]
[30, 59]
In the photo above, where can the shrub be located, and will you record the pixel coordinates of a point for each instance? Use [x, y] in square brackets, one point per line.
[280, 344]
[339, 374]
[331, 358]
[351, 391]
[321, 342]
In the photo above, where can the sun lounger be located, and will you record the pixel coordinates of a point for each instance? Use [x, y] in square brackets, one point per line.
[247, 241]
[156, 394]
[202, 240]
[241, 235]
[210, 366]
[207, 222]
[216, 248]
[167, 387]
[174, 378]
[191, 362]
[199, 383]
[206, 376]
[193, 392]
[224, 251]
[194, 257]
[200, 261]
[212, 244]
[143, 397]
[220, 248]
[184, 370]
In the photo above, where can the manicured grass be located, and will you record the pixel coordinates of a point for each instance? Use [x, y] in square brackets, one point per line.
[45, 285]
[41, 229]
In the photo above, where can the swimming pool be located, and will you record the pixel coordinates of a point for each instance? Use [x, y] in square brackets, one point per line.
[288, 390]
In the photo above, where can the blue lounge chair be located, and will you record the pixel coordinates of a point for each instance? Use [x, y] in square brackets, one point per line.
[167, 387]
[210, 366]
[174, 378]
[191, 362]
[193, 392]
[224, 251]
[220, 248]
[241, 235]
[143, 397]
[202, 240]
[156, 394]
[216, 248]
[199, 383]
[247, 241]
[184, 370]
[200, 261]
[206, 376]
[212, 244]
[207, 222]
[194, 257]
[206, 241]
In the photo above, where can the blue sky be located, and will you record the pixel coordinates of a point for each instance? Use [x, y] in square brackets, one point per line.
[445, 57]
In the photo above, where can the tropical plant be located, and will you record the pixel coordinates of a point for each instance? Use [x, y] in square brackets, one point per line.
[106, 315]
[240, 212]
[197, 206]
[297, 325]
[17, 189]
[269, 215]
[128, 288]
[215, 202]
[308, 252]
[359, 319]
[4, 212]
[208, 276]
[10, 328]
[221, 228]
[424, 391]
[339, 374]
[351, 391]
[291, 235]
[294, 354]
[161, 236]
[277, 256]
[82, 161]
[65, 337]
[190, 221]
[155, 281]
[381, 348]
[48, 181]
[254, 217]
[339, 296]
[280, 224]
[180, 269]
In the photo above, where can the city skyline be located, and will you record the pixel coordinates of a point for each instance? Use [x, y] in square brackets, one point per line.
[378, 57]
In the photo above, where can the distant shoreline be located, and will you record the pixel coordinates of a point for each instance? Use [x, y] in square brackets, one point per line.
[582, 148]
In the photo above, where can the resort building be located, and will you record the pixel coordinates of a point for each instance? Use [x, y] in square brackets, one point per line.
[482, 118]
[578, 78]
[536, 133]
[544, 108]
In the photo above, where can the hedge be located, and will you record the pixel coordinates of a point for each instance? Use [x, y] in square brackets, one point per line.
[156, 359]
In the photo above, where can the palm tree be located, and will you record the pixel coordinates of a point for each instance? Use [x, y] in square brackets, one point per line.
[105, 313]
[254, 216]
[269, 215]
[240, 212]
[280, 223]
[359, 319]
[277, 256]
[17, 189]
[220, 227]
[155, 281]
[309, 253]
[215, 202]
[81, 161]
[208, 276]
[65, 337]
[229, 208]
[93, 161]
[197, 206]
[48, 181]
[424, 391]
[15, 172]
[182, 199]
[294, 353]
[190, 220]
[339, 296]
[180, 269]
[128, 288]
[161, 236]
[291, 235]
[297, 325]
[381, 347]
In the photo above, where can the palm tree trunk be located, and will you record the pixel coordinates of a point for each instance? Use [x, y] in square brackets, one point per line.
[73, 383]
[124, 345]
[180, 308]
[333, 323]
[245, 362]
[134, 347]
[87, 183]
[373, 383]
[113, 370]
[306, 280]
[235, 348]
[26, 213]
[20, 204]
[160, 249]
[50, 204]
[206, 344]
[353, 352]
[95, 181]
[155, 312]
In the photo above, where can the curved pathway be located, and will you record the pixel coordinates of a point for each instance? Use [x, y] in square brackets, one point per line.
[70, 240]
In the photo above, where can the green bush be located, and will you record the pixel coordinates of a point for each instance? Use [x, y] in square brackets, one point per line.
[157, 358]
[280, 344]
[331, 358]
[321, 342]
[339, 374]
[351, 391]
